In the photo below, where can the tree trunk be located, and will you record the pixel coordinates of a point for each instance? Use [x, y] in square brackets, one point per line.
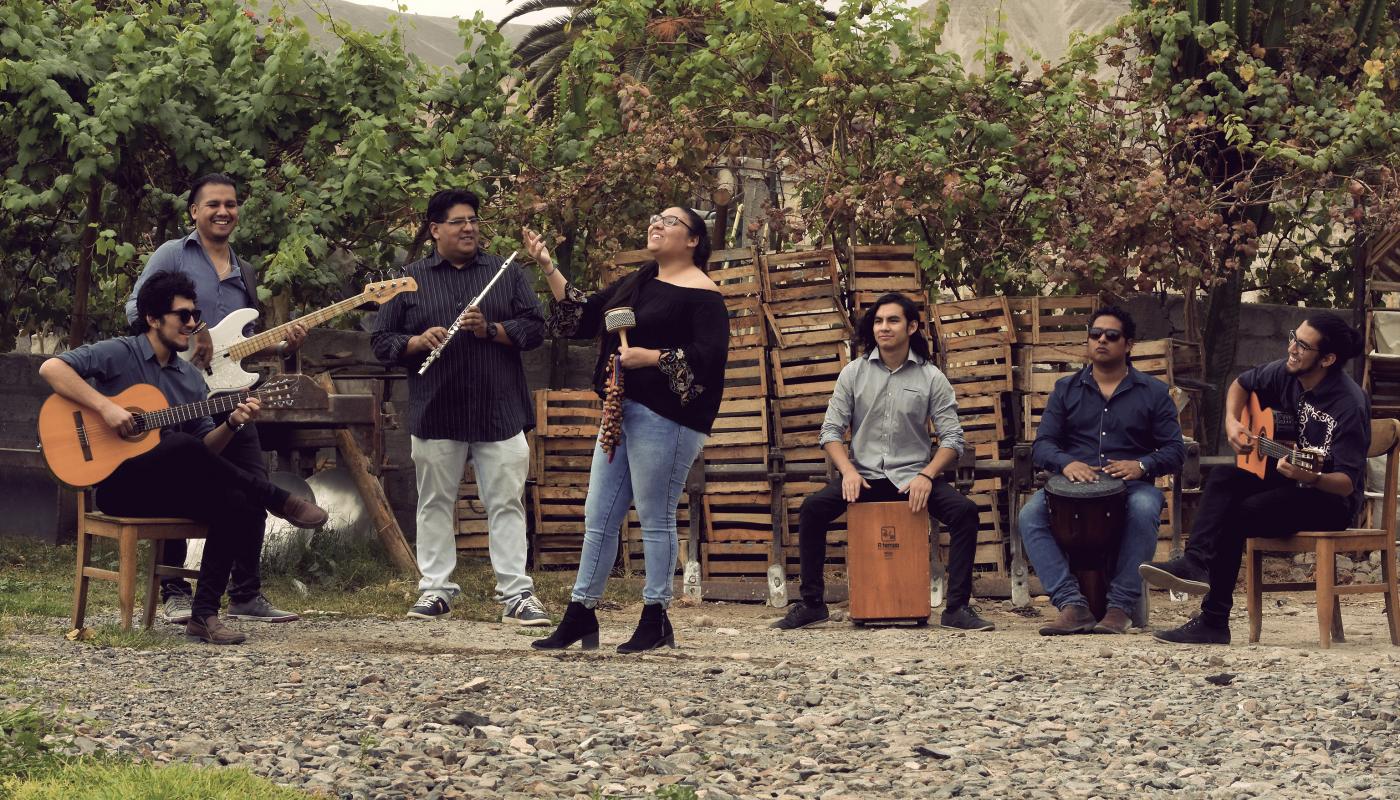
[87, 247]
[1222, 333]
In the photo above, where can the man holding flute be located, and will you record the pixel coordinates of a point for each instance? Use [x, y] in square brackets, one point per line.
[471, 402]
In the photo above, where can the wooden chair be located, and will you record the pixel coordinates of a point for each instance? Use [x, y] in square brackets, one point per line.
[1385, 440]
[127, 531]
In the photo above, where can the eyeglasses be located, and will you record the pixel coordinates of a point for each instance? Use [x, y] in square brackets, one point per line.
[1111, 334]
[461, 222]
[1302, 345]
[669, 221]
[186, 314]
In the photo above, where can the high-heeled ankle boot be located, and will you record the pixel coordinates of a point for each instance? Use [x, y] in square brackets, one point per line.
[652, 632]
[580, 624]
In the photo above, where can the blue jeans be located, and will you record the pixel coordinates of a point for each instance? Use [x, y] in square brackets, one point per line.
[650, 465]
[1139, 542]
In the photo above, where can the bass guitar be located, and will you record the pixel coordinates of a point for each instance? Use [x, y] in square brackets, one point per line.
[225, 372]
[81, 448]
[1272, 434]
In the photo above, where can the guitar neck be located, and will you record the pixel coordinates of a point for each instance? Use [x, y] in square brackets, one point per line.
[175, 415]
[272, 336]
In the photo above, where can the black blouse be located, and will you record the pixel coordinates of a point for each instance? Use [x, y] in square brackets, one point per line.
[689, 326]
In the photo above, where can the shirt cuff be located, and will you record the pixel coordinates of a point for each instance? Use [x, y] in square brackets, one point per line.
[673, 364]
[564, 315]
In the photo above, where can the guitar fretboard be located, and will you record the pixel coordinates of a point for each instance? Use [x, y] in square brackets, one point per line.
[166, 417]
[272, 336]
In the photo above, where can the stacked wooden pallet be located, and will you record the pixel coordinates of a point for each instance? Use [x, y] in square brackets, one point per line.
[877, 269]
[566, 430]
[471, 518]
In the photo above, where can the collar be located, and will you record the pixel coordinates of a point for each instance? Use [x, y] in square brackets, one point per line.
[193, 238]
[440, 262]
[148, 353]
[1324, 387]
[874, 355]
[1134, 376]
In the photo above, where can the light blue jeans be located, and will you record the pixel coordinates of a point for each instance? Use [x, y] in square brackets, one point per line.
[649, 465]
[1139, 542]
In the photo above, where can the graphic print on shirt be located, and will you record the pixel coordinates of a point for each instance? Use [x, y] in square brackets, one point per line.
[1308, 414]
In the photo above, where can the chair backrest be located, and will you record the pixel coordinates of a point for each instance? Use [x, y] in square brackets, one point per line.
[1385, 440]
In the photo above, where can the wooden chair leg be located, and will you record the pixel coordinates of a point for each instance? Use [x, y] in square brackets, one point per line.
[80, 580]
[1326, 572]
[1392, 596]
[1254, 589]
[126, 575]
[148, 613]
[1338, 635]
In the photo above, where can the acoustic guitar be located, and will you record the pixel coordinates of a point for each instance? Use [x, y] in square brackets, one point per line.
[81, 448]
[1272, 434]
[225, 372]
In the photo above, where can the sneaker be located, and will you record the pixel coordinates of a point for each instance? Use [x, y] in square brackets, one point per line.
[176, 609]
[1178, 575]
[526, 610]
[800, 615]
[260, 610]
[430, 606]
[1197, 631]
[964, 619]
[211, 629]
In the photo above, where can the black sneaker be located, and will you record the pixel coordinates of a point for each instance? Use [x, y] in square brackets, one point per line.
[800, 615]
[526, 610]
[430, 606]
[1178, 575]
[1195, 632]
[964, 619]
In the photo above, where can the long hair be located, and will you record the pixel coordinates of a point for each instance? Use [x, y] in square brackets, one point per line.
[865, 330]
[630, 289]
[1338, 338]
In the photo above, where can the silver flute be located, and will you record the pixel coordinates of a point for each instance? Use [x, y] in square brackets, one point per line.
[457, 323]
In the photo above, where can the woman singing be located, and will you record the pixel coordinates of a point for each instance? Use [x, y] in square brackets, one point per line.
[673, 375]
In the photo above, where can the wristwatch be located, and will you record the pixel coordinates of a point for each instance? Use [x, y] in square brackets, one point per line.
[1142, 467]
[235, 428]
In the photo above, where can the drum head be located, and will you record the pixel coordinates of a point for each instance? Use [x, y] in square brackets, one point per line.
[1060, 486]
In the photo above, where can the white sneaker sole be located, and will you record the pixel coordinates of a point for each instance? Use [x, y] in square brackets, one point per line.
[527, 623]
[420, 615]
[1165, 580]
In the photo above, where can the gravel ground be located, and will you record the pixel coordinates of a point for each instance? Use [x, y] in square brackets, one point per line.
[398, 708]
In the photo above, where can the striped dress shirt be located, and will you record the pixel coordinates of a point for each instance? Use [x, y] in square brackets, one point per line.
[475, 391]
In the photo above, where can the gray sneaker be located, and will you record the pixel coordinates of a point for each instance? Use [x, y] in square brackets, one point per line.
[260, 610]
[526, 610]
[177, 609]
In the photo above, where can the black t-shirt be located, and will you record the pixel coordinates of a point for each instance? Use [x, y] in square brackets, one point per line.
[1334, 416]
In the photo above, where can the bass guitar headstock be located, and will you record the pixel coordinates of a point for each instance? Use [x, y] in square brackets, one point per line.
[383, 291]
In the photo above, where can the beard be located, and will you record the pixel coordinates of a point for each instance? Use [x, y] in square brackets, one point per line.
[170, 344]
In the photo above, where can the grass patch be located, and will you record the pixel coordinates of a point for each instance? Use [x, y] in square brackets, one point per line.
[90, 780]
[26, 748]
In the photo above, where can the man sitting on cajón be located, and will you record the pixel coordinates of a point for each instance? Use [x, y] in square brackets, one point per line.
[184, 475]
[1107, 419]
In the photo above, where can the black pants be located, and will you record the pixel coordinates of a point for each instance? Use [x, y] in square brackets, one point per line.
[1235, 505]
[945, 504]
[182, 478]
[244, 451]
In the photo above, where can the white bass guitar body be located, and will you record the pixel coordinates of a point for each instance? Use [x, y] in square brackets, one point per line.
[225, 372]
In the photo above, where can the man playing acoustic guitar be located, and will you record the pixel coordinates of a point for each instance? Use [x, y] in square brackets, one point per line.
[184, 475]
[1333, 419]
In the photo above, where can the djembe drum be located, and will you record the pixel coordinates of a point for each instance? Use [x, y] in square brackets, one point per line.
[1087, 520]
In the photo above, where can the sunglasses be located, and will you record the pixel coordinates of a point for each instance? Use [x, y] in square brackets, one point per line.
[668, 221]
[1302, 345]
[186, 314]
[1111, 334]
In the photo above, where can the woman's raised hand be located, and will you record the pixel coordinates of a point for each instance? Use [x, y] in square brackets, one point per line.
[535, 248]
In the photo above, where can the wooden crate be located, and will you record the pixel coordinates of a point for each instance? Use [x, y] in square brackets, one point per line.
[794, 492]
[621, 264]
[990, 555]
[736, 273]
[808, 369]
[631, 550]
[1062, 320]
[1039, 367]
[977, 324]
[878, 269]
[797, 423]
[738, 530]
[740, 434]
[980, 370]
[802, 299]
[562, 457]
[1167, 359]
[983, 422]
[472, 526]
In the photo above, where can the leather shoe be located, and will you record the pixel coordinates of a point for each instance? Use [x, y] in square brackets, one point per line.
[1073, 619]
[1115, 620]
[211, 629]
[301, 513]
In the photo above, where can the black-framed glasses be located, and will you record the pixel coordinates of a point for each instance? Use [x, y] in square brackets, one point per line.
[186, 314]
[668, 221]
[1111, 334]
[1302, 345]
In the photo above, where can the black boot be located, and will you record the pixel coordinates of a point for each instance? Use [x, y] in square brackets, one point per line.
[580, 624]
[652, 632]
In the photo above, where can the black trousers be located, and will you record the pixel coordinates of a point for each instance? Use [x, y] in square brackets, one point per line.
[180, 477]
[244, 451]
[1235, 505]
[945, 504]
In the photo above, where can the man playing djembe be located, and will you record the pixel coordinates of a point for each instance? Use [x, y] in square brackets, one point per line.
[1111, 420]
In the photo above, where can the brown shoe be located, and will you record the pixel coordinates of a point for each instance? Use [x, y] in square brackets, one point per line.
[301, 513]
[1072, 619]
[211, 629]
[1115, 620]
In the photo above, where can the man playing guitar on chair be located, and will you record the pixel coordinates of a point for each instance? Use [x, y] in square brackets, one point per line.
[1332, 415]
[226, 284]
[184, 475]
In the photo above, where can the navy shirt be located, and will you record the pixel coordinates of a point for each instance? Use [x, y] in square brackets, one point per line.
[475, 391]
[1334, 416]
[1139, 423]
[217, 298]
[114, 365]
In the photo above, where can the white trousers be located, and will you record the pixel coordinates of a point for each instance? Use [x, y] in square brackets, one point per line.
[500, 476]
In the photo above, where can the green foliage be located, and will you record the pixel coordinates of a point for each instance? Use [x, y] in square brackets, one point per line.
[28, 743]
[97, 780]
